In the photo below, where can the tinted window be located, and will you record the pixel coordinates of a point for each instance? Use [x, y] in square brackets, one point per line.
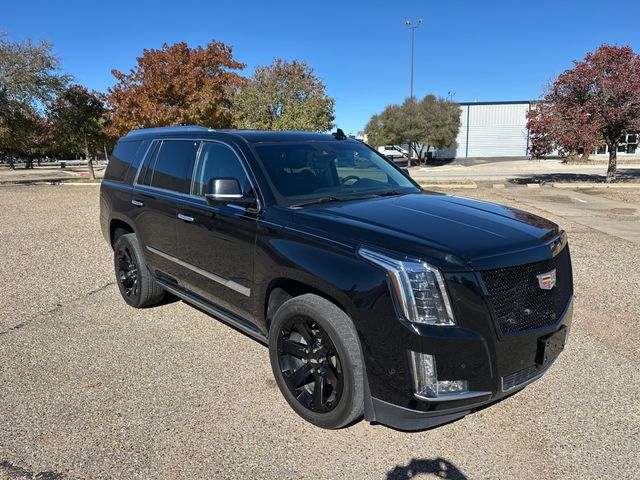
[121, 159]
[309, 170]
[147, 168]
[217, 161]
[174, 164]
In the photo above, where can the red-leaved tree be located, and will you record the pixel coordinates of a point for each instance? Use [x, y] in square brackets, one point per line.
[175, 85]
[596, 100]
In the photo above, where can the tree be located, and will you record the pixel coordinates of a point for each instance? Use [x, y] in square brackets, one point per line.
[175, 85]
[431, 122]
[77, 119]
[597, 99]
[23, 134]
[571, 131]
[30, 79]
[283, 96]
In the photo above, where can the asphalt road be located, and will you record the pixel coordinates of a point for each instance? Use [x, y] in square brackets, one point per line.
[91, 388]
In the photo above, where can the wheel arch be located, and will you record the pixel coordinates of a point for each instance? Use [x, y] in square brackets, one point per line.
[282, 289]
[117, 228]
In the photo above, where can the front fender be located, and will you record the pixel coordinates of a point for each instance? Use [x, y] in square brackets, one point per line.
[337, 272]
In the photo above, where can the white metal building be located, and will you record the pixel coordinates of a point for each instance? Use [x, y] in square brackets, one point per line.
[499, 129]
[491, 129]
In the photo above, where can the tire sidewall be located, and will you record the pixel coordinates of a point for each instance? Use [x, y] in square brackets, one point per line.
[126, 242]
[341, 414]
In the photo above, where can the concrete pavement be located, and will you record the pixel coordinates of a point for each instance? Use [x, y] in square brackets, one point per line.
[521, 171]
[91, 388]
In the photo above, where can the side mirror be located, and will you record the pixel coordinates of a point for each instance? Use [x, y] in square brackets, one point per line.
[225, 191]
[405, 170]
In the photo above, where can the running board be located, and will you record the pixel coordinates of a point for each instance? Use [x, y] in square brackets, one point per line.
[244, 326]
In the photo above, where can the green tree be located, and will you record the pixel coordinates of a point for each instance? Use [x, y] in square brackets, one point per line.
[431, 122]
[30, 79]
[283, 96]
[77, 119]
[23, 134]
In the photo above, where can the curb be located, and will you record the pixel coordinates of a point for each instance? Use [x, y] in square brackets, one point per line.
[48, 181]
[595, 185]
[448, 185]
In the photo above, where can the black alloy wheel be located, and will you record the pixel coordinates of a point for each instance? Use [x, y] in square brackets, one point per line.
[310, 364]
[137, 285]
[127, 271]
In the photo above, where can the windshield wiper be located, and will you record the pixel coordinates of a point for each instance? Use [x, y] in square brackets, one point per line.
[317, 200]
[389, 193]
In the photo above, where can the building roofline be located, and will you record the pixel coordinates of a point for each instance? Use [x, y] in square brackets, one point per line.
[505, 102]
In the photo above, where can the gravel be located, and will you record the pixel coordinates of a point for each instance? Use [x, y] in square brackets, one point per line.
[91, 388]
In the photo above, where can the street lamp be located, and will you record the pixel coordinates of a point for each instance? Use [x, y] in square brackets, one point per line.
[412, 27]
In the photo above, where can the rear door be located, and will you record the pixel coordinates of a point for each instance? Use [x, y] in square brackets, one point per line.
[216, 243]
[164, 178]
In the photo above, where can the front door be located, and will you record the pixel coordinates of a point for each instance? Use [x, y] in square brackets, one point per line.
[216, 243]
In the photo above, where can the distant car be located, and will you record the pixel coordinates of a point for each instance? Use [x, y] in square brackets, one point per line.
[394, 152]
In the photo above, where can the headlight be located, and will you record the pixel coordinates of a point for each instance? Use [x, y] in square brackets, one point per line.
[419, 288]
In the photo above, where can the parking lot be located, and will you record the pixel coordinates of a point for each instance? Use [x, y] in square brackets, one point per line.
[91, 388]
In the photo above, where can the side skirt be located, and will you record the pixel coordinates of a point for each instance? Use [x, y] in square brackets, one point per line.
[235, 321]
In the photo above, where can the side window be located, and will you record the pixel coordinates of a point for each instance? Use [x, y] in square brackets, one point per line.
[121, 159]
[217, 161]
[144, 178]
[173, 165]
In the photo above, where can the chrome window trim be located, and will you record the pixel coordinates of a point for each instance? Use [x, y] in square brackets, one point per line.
[211, 276]
[250, 177]
[142, 162]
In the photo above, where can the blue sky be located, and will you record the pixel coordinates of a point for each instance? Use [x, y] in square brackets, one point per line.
[482, 51]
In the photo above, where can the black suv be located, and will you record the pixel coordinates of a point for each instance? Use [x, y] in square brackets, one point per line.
[375, 297]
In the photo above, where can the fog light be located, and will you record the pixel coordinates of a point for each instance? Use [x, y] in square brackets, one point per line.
[425, 378]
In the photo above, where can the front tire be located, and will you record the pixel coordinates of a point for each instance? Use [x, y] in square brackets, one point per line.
[137, 286]
[316, 360]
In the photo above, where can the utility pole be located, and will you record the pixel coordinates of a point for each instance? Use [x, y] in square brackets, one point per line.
[412, 27]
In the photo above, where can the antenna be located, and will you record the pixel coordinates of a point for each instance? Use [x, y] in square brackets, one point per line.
[339, 134]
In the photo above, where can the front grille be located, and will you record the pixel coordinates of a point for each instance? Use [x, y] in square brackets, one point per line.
[519, 302]
[523, 376]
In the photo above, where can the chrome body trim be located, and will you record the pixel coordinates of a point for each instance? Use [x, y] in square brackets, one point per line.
[450, 397]
[184, 217]
[211, 276]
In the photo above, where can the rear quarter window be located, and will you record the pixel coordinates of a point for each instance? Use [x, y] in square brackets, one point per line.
[173, 165]
[123, 156]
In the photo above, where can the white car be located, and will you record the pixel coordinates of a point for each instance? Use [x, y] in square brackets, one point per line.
[394, 152]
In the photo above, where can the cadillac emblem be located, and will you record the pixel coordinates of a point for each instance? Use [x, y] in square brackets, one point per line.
[546, 281]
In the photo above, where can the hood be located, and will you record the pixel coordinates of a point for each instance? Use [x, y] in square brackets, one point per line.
[449, 229]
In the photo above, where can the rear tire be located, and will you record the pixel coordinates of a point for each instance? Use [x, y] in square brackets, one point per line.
[137, 286]
[316, 360]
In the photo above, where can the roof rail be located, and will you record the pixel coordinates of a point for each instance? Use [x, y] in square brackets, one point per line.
[176, 129]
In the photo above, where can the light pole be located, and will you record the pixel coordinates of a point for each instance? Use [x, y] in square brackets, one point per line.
[412, 27]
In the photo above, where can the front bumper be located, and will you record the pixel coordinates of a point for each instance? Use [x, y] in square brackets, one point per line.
[495, 365]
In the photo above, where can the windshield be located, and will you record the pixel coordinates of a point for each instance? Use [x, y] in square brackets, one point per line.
[304, 171]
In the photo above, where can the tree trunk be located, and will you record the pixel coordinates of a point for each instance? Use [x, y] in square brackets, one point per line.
[92, 174]
[613, 162]
[585, 155]
[12, 165]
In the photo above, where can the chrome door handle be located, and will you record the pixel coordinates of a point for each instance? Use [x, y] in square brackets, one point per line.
[186, 218]
[137, 203]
